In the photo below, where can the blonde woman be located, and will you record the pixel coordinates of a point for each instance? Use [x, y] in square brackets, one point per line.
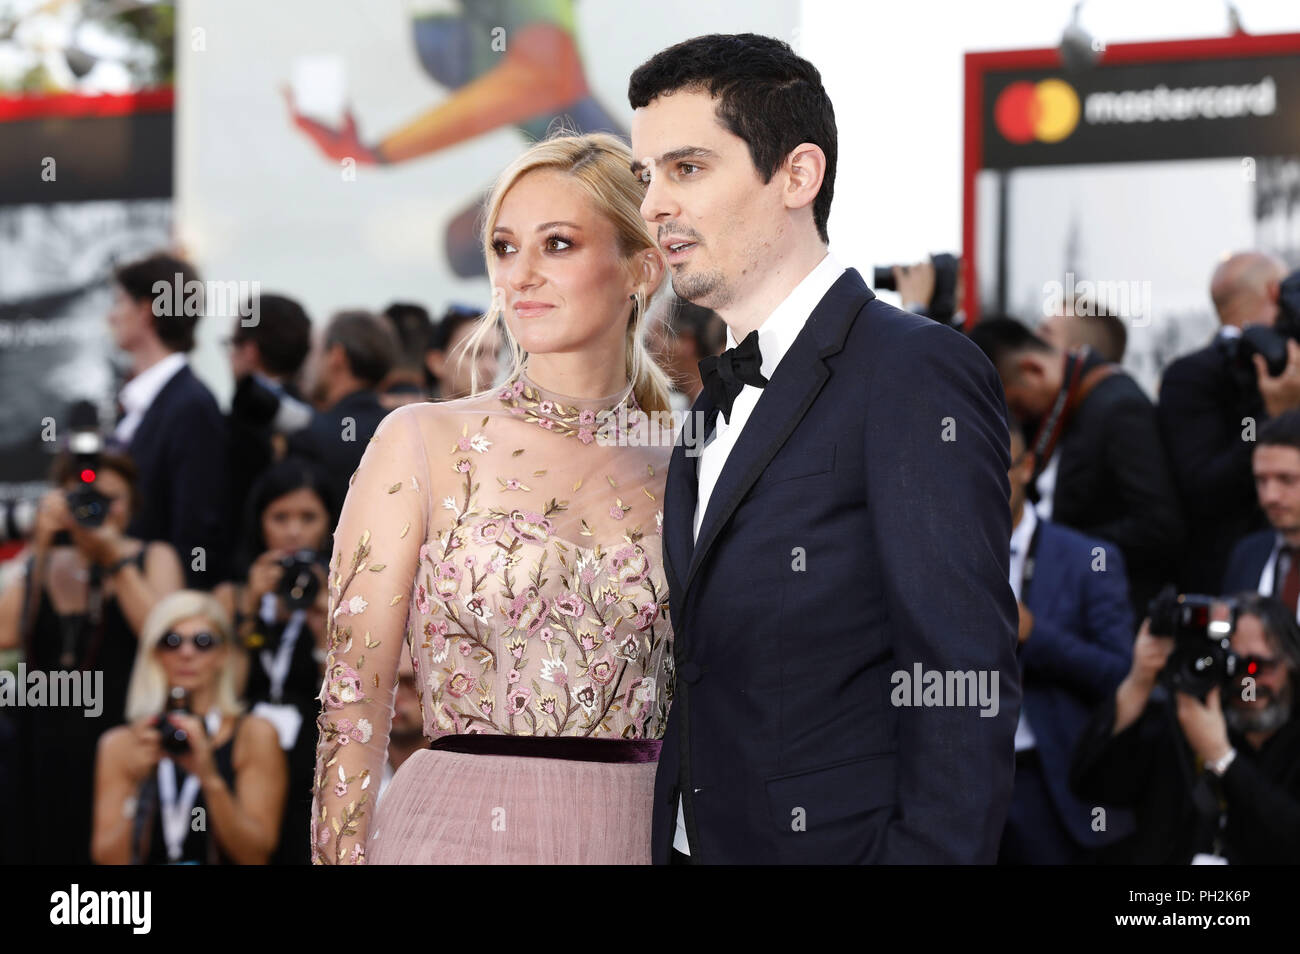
[232, 768]
[511, 540]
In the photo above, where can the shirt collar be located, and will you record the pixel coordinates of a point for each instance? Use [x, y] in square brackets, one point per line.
[138, 393]
[1024, 529]
[777, 332]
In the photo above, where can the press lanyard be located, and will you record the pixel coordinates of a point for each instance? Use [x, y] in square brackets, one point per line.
[175, 809]
[276, 666]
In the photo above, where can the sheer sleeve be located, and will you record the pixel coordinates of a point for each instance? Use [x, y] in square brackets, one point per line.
[371, 572]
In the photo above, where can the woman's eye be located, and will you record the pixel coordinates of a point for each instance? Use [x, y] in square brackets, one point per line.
[555, 240]
[501, 247]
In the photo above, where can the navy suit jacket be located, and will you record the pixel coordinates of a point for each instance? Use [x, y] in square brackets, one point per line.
[858, 529]
[181, 450]
[1247, 562]
[1075, 657]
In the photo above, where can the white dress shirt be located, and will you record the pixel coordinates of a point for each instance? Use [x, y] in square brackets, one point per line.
[139, 393]
[1020, 538]
[775, 336]
[1047, 485]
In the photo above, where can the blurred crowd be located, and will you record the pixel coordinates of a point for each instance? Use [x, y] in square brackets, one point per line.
[1155, 554]
[181, 552]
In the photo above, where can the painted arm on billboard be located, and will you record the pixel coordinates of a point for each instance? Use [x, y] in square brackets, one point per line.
[541, 72]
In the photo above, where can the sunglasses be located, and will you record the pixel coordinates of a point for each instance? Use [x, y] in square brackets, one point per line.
[202, 641]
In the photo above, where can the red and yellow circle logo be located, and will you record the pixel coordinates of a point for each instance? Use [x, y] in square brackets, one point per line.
[1047, 111]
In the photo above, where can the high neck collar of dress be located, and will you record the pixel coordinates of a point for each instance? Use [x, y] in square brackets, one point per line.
[563, 413]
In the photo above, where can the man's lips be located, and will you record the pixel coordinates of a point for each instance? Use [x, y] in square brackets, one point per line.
[676, 249]
[532, 309]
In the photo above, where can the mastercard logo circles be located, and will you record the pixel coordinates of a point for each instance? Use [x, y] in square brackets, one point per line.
[1047, 111]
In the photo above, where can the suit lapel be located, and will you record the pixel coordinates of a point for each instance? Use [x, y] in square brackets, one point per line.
[794, 386]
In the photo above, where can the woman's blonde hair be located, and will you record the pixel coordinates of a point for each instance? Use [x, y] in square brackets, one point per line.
[601, 164]
[148, 689]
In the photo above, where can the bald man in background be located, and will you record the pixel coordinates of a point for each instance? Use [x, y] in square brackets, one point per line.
[1204, 397]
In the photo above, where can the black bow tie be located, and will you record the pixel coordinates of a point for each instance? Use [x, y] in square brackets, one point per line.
[726, 375]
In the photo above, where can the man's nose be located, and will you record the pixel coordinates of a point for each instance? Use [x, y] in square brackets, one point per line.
[657, 206]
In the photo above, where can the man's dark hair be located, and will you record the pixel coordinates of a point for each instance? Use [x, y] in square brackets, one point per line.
[1280, 628]
[769, 96]
[174, 328]
[452, 320]
[368, 342]
[1001, 338]
[414, 330]
[1281, 431]
[282, 334]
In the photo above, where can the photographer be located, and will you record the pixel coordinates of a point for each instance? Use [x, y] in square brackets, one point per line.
[265, 359]
[77, 607]
[280, 611]
[200, 783]
[1205, 398]
[1208, 780]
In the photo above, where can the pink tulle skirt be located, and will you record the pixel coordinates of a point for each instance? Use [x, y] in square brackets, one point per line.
[450, 808]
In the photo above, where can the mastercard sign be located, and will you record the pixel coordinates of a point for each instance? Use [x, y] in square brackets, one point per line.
[1046, 111]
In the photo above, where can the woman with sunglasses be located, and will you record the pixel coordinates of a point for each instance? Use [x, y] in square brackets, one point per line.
[229, 774]
[77, 606]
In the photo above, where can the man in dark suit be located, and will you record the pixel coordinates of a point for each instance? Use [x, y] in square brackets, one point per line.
[1101, 467]
[843, 543]
[1076, 636]
[357, 351]
[1268, 561]
[171, 425]
[1209, 405]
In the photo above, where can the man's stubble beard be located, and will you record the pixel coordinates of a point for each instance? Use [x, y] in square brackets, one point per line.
[707, 289]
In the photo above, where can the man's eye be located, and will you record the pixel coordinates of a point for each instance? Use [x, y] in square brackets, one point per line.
[683, 167]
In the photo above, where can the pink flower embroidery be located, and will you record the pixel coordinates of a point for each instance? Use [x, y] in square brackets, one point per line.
[460, 683]
[648, 614]
[489, 531]
[422, 600]
[530, 526]
[571, 604]
[585, 435]
[517, 699]
[616, 512]
[343, 686]
[446, 579]
[463, 465]
[512, 484]
[587, 417]
[602, 669]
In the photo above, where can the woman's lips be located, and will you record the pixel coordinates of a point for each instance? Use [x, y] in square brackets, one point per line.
[532, 309]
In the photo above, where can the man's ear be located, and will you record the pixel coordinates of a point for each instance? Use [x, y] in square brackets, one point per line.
[805, 167]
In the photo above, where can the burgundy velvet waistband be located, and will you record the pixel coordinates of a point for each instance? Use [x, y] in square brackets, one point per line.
[551, 747]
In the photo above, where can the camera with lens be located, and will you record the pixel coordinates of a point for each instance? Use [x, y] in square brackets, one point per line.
[1202, 657]
[175, 740]
[299, 584]
[87, 505]
[1271, 341]
[942, 306]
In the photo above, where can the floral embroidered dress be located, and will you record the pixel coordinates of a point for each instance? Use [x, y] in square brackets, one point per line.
[510, 542]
